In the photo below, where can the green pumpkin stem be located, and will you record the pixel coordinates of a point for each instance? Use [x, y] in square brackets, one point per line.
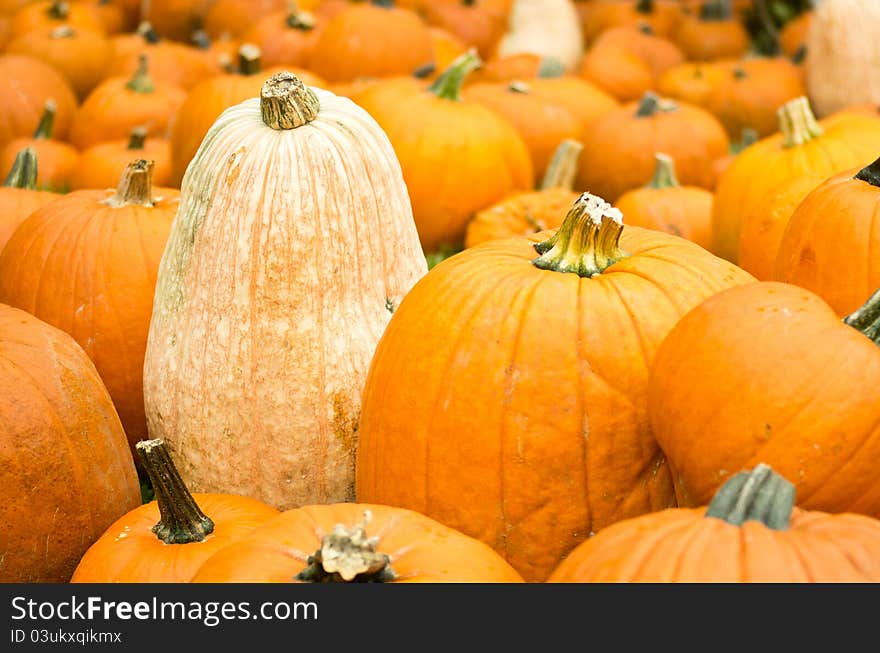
[651, 104]
[563, 167]
[137, 139]
[664, 172]
[716, 10]
[47, 121]
[797, 122]
[587, 242]
[287, 103]
[135, 186]
[758, 495]
[249, 59]
[870, 173]
[141, 82]
[181, 521]
[867, 318]
[347, 555]
[550, 67]
[448, 84]
[24, 170]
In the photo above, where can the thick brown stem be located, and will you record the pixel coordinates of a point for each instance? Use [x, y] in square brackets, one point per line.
[448, 85]
[24, 170]
[760, 495]
[181, 521]
[137, 139]
[249, 59]
[797, 122]
[867, 318]
[563, 167]
[135, 187]
[287, 103]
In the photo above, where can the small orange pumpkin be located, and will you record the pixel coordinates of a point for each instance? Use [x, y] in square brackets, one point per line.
[714, 33]
[100, 165]
[53, 13]
[477, 23]
[232, 18]
[691, 82]
[284, 38]
[661, 16]
[175, 19]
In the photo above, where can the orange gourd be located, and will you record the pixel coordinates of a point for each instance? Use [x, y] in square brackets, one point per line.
[232, 18]
[284, 37]
[53, 13]
[100, 165]
[715, 33]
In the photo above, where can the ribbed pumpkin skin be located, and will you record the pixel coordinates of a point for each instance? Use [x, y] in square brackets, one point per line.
[681, 545]
[90, 270]
[527, 426]
[288, 253]
[100, 165]
[16, 204]
[767, 372]
[521, 214]
[65, 466]
[421, 549]
[684, 211]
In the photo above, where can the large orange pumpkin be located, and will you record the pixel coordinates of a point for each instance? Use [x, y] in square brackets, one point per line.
[168, 539]
[528, 427]
[751, 532]
[768, 372]
[65, 465]
[19, 196]
[87, 264]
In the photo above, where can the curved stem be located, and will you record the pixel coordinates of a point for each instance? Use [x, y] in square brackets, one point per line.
[249, 59]
[141, 82]
[448, 84]
[664, 172]
[760, 495]
[587, 241]
[867, 318]
[24, 170]
[47, 121]
[287, 103]
[870, 173]
[797, 122]
[563, 167]
[181, 521]
[347, 555]
[135, 187]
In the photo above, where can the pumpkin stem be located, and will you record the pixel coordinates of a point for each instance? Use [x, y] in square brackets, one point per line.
[870, 173]
[302, 20]
[181, 521]
[24, 170]
[200, 39]
[348, 556]
[141, 82]
[867, 318]
[563, 167]
[62, 32]
[797, 122]
[137, 139]
[59, 10]
[664, 173]
[47, 121]
[587, 241]
[385, 4]
[716, 10]
[761, 495]
[147, 32]
[550, 67]
[748, 137]
[645, 6]
[287, 103]
[448, 84]
[651, 103]
[135, 187]
[424, 71]
[249, 59]
[517, 86]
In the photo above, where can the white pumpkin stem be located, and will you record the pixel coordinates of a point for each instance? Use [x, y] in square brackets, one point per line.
[347, 555]
[664, 173]
[287, 103]
[797, 122]
[587, 242]
[758, 495]
[867, 318]
[135, 187]
[24, 170]
[563, 167]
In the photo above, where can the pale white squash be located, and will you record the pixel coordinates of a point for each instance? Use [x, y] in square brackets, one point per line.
[550, 28]
[291, 248]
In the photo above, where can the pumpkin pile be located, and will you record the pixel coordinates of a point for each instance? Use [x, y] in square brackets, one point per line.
[439, 291]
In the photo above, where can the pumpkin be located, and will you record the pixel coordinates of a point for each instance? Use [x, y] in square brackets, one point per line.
[529, 344]
[25, 85]
[665, 205]
[802, 146]
[283, 37]
[119, 104]
[691, 82]
[373, 39]
[100, 165]
[444, 143]
[80, 55]
[64, 460]
[103, 247]
[524, 66]
[662, 16]
[829, 242]
[477, 23]
[220, 52]
[355, 543]
[446, 48]
[769, 372]
[749, 137]
[715, 33]
[112, 16]
[19, 196]
[842, 52]
[53, 13]
[751, 532]
[585, 100]
[549, 28]
[619, 148]
[752, 92]
[794, 34]
[206, 101]
[234, 17]
[530, 212]
[169, 538]
[231, 374]
[58, 160]
[175, 19]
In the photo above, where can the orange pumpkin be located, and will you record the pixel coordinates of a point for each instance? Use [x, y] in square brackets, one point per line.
[522, 347]
[25, 85]
[100, 165]
[65, 463]
[175, 19]
[355, 542]
[665, 205]
[518, 66]
[58, 160]
[802, 147]
[749, 137]
[691, 82]
[113, 15]
[104, 248]
[19, 196]
[619, 148]
[583, 99]
[793, 35]
[829, 242]
[446, 48]
[751, 532]
[284, 37]
[714, 33]
[233, 18]
[478, 23]
[119, 104]
[168, 539]
[662, 16]
[768, 372]
[53, 13]
[444, 144]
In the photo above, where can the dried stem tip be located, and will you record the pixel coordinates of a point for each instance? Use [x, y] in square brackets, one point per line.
[287, 103]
